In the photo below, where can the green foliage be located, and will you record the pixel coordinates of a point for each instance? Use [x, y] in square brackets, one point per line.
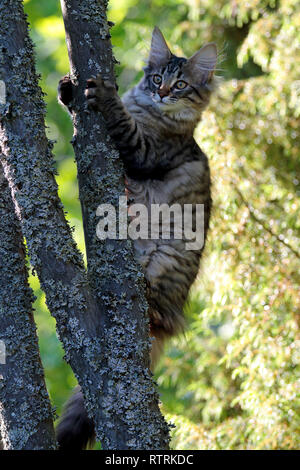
[231, 381]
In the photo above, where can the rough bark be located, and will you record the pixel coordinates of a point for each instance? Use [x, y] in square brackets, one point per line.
[108, 353]
[131, 416]
[26, 418]
[29, 168]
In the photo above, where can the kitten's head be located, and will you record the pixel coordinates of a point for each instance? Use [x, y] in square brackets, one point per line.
[180, 87]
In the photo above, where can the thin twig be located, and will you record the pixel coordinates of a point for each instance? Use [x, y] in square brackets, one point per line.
[264, 225]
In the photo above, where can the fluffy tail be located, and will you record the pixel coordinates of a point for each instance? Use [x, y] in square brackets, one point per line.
[75, 430]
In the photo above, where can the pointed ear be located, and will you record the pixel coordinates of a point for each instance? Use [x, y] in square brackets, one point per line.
[159, 52]
[204, 61]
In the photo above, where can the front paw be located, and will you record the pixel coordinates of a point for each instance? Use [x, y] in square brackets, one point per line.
[65, 90]
[99, 91]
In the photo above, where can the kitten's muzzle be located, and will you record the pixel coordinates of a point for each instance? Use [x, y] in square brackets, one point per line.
[163, 91]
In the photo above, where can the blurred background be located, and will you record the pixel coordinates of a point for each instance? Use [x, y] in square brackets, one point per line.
[231, 381]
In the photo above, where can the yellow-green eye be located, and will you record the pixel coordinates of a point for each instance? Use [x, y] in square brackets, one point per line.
[180, 85]
[157, 79]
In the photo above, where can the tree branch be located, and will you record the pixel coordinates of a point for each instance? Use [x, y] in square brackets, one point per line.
[26, 419]
[128, 399]
[29, 168]
[264, 224]
[87, 336]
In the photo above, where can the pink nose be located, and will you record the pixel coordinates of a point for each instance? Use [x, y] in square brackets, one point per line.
[163, 91]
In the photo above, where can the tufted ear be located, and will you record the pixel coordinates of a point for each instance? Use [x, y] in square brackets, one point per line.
[159, 52]
[203, 62]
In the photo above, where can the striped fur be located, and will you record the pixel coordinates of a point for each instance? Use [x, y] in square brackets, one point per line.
[153, 128]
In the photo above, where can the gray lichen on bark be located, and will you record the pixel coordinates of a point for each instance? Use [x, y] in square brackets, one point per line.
[105, 335]
[131, 416]
[29, 168]
[26, 418]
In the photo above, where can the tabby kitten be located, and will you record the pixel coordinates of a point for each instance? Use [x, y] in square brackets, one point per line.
[152, 127]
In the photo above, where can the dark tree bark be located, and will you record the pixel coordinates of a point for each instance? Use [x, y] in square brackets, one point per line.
[29, 168]
[26, 419]
[131, 403]
[106, 347]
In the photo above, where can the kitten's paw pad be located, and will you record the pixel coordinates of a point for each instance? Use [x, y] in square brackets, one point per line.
[65, 90]
[98, 90]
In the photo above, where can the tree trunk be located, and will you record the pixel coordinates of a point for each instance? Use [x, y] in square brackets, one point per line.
[29, 168]
[26, 419]
[106, 347]
[132, 404]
